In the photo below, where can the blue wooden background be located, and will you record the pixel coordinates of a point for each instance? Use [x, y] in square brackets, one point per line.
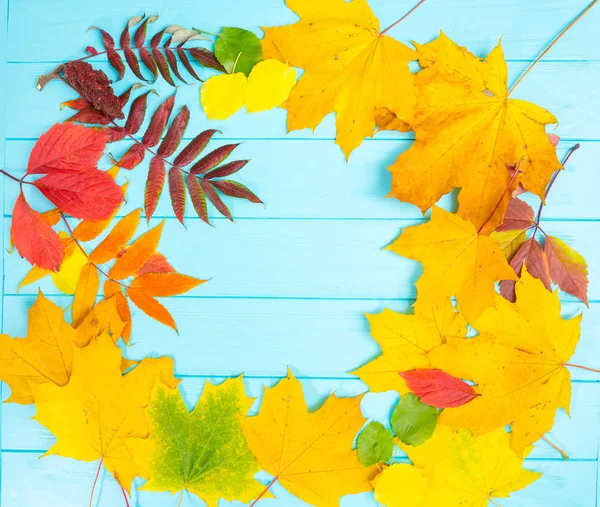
[291, 280]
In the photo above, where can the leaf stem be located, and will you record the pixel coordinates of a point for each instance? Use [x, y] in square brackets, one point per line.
[552, 444]
[556, 39]
[124, 496]
[494, 502]
[403, 17]
[581, 367]
[8, 175]
[264, 492]
[95, 482]
[181, 498]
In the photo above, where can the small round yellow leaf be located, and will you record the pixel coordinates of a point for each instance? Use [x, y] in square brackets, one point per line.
[223, 95]
[269, 85]
[400, 486]
[67, 277]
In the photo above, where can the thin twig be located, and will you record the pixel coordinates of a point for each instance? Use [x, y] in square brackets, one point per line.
[403, 17]
[556, 39]
[124, 496]
[552, 444]
[95, 482]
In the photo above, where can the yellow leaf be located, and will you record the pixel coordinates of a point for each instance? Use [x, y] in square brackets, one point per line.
[509, 241]
[67, 277]
[517, 363]
[85, 293]
[457, 261]
[309, 453]
[116, 239]
[165, 284]
[405, 341]
[100, 412]
[349, 68]
[45, 355]
[269, 85]
[468, 132]
[104, 317]
[114, 289]
[223, 95]
[455, 469]
[386, 120]
[137, 254]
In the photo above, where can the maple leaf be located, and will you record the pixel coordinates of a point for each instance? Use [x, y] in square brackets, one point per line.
[457, 261]
[350, 67]
[202, 451]
[455, 468]
[468, 133]
[405, 341]
[101, 411]
[517, 363]
[309, 453]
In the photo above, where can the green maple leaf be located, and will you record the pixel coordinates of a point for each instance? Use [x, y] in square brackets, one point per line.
[203, 451]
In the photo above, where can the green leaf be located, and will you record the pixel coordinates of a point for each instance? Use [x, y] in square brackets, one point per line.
[203, 451]
[375, 444]
[234, 42]
[413, 421]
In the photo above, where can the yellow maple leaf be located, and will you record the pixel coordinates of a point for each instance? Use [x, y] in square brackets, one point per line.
[455, 469]
[309, 453]
[405, 341]
[518, 363]
[468, 133]
[350, 67]
[99, 411]
[457, 261]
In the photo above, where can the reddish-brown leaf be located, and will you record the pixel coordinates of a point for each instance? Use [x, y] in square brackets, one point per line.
[567, 268]
[519, 216]
[90, 116]
[439, 389]
[163, 66]
[174, 133]
[77, 104]
[165, 284]
[198, 197]
[534, 258]
[172, 60]
[134, 63]
[89, 195]
[236, 189]
[194, 148]
[107, 40]
[155, 41]
[149, 62]
[137, 113]
[157, 263]
[206, 58]
[213, 197]
[114, 134]
[33, 238]
[186, 62]
[177, 192]
[117, 63]
[213, 159]
[66, 148]
[133, 156]
[154, 186]
[140, 34]
[226, 169]
[158, 122]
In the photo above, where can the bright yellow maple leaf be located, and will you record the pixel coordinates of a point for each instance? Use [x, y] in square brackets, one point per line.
[405, 341]
[350, 68]
[97, 414]
[518, 363]
[455, 469]
[457, 261]
[468, 133]
[309, 453]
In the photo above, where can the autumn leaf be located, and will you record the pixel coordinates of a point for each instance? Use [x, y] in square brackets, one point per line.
[453, 469]
[100, 412]
[438, 389]
[468, 133]
[517, 363]
[309, 453]
[117, 238]
[350, 68]
[202, 451]
[413, 422]
[102, 318]
[238, 49]
[405, 341]
[568, 268]
[509, 241]
[85, 292]
[518, 216]
[223, 95]
[375, 444]
[457, 261]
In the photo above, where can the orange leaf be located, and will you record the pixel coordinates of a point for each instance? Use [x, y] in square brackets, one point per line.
[85, 293]
[151, 307]
[165, 284]
[113, 289]
[116, 239]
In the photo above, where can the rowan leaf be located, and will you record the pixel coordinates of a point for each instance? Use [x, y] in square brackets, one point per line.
[154, 185]
[226, 169]
[117, 238]
[238, 50]
[531, 255]
[174, 133]
[375, 444]
[235, 189]
[350, 68]
[206, 58]
[137, 113]
[517, 363]
[202, 451]
[438, 389]
[198, 197]
[213, 159]
[177, 192]
[194, 148]
[85, 293]
[567, 268]
[309, 453]
[132, 157]
[157, 263]
[457, 261]
[413, 421]
[158, 123]
[213, 197]
[151, 307]
[469, 132]
[164, 284]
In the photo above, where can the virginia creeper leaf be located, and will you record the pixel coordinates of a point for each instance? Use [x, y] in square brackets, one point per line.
[567, 268]
[534, 258]
[519, 216]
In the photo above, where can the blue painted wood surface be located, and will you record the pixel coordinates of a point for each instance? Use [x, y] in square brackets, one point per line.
[291, 280]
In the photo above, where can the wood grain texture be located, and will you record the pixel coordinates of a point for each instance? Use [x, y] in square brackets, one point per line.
[291, 280]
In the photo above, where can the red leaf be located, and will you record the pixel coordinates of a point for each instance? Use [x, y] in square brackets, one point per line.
[114, 134]
[439, 389]
[34, 238]
[149, 62]
[567, 268]
[77, 104]
[91, 116]
[158, 122]
[175, 133]
[236, 189]
[206, 58]
[107, 40]
[155, 41]
[198, 197]
[194, 148]
[177, 192]
[163, 66]
[133, 63]
[137, 113]
[133, 156]
[213, 197]
[66, 148]
[117, 63]
[89, 195]
[519, 216]
[534, 258]
[172, 59]
[154, 185]
[226, 169]
[157, 263]
[213, 159]
[140, 34]
[186, 61]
